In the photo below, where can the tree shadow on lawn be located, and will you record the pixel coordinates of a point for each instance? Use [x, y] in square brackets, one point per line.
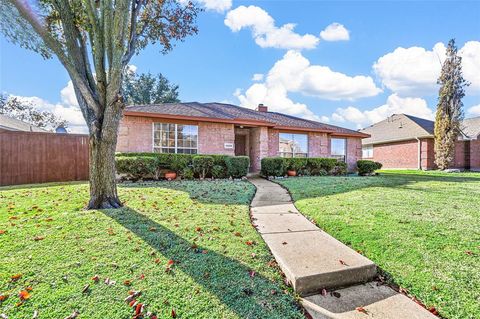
[227, 279]
[313, 187]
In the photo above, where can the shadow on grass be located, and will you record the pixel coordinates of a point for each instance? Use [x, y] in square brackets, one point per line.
[310, 187]
[227, 279]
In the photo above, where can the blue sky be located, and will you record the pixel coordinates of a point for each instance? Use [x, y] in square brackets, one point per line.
[378, 58]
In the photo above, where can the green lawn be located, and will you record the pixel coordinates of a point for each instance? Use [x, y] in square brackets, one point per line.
[421, 228]
[204, 227]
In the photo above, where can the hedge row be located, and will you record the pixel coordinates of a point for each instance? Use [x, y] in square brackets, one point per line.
[153, 165]
[278, 166]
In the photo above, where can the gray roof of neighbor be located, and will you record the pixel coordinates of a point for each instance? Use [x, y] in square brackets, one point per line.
[471, 127]
[232, 112]
[10, 124]
[399, 127]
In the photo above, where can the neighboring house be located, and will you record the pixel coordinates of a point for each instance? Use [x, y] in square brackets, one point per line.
[218, 128]
[405, 141]
[8, 123]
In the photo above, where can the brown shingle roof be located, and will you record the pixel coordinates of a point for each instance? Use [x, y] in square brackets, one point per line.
[222, 111]
[398, 127]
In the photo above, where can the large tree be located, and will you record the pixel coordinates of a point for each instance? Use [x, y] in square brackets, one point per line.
[450, 107]
[94, 40]
[148, 89]
[27, 112]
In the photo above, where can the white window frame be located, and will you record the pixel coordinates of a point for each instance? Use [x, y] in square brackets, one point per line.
[367, 149]
[345, 148]
[175, 148]
[293, 152]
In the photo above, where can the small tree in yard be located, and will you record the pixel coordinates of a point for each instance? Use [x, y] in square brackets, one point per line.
[449, 108]
[95, 40]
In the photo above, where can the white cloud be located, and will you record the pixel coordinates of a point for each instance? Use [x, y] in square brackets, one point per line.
[414, 71]
[257, 77]
[294, 74]
[67, 109]
[264, 31]
[474, 110]
[394, 105]
[411, 71]
[470, 54]
[212, 5]
[335, 32]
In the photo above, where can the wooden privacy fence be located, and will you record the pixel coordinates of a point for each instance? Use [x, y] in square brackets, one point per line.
[32, 157]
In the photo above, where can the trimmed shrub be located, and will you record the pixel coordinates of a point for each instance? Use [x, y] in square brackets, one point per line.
[218, 171]
[340, 168]
[237, 166]
[295, 164]
[273, 166]
[366, 167]
[202, 165]
[137, 167]
[320, 165]
[187, 173]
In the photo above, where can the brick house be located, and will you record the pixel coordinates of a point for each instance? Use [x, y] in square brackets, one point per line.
[218, 128]
[405, 141]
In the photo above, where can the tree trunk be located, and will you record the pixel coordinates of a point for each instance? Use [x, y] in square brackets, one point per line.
[103, 188]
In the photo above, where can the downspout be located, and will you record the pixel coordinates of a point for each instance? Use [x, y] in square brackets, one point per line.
[419, 153]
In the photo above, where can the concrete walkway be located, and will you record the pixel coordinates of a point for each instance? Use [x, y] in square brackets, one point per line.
[312, 260]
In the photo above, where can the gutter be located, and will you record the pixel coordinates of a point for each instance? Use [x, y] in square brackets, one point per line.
[419, 153]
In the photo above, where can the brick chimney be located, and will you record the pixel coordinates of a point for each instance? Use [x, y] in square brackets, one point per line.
[262, 108]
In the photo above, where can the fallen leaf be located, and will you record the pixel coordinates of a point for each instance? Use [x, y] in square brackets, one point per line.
[170, 262]
[95, 278]
[251, 273]
[157, 261]
[336, 294]
[142, 276]
[109, 282]
[342, 262]
[23, 295]
[238, 234]
[433, 310]
[73, 315]
[37, 238]
[139, 308]
[2, 231]
[3, 297]
[249, 242]
[85, 288]
[284, 243]
[16, 277]
[253, 255]
[361, 309]
[324, 292]
[152, 229]
[198, 228]
[469, 252]
[174, 313]
[35, 314]
[127, 282]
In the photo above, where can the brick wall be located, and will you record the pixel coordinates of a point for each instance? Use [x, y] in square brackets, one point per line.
[475, 154]
[428, 153]
[402, 154]
[354, 152]
[258, 146]
[273, 142]
[213, 136]
[318, 145]
[135, 134]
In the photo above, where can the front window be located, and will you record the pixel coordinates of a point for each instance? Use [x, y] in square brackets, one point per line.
[339, 148]
[293, 145]
[367, 151]
[175, 138]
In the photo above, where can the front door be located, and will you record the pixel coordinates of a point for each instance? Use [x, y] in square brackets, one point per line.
[240, 145]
